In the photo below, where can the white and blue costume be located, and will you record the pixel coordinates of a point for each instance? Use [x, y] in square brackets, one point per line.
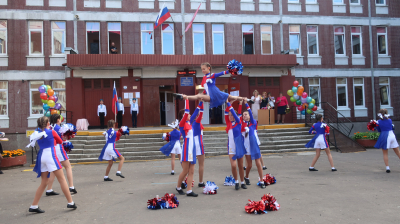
[198, 129]
[217, 97]
[319, 140]
[188, 150]
[109, 151]
[252, 142]
[174, 144]
[235, 138]
[387, 139]
[46, 160]
[61, 154]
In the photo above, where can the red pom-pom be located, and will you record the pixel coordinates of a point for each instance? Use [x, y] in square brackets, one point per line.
[186, 182]
[269, 179]
[372, 125]
[172, 200]
[270, 202]
[255, 207]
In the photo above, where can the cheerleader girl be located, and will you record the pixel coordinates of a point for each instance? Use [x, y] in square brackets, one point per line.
[236, 148]
[319, 141]
[109, 151]
[173, 146]
[211, 93]
[55, 122]
[188, 157]
[195, 120]
[47, 162]
[251, 144]
[387, 139]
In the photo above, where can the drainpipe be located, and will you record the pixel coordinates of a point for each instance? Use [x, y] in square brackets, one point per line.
[280, 24]
[75, 29]
[183, 26]
[372, 60]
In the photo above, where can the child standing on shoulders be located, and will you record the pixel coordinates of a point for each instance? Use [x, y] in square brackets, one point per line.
[387, 139]
[109, 151]
[173, 146]
[319, 141]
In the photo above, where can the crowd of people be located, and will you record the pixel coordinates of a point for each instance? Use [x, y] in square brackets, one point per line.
[266, 100]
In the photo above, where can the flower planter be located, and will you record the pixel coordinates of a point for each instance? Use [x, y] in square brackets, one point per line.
[367, 143]
[13, 161]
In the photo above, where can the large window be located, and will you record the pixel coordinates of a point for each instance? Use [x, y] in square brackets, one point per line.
[339, 40]
[312, 40]
[355, 2]
[358, 92]
[147, 38]
[338, 2]
[58, 37]
[199, 43]
[93, 38]
[36, 37]
[3, 36]
[248, 38]
[300, 80]
[384, 90]
[380, 2]
[59, 89]
[356, 40]
[3, 98]
[311, 1]
[341, 89]
[266, 39]
[315, 91]
[36, 104]
[218, 38]
[382, 40]
[167, 37]
[114, 38]
[294, 39]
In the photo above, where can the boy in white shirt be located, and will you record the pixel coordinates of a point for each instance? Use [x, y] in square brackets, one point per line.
[134, 112]
[102, 113]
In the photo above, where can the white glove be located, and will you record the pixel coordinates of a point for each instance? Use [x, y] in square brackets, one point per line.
[209, 81]
[247, 129]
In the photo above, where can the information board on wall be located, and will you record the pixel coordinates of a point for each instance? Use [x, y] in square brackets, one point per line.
[186, 81]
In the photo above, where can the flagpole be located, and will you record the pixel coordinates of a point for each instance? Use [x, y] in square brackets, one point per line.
[115, 106]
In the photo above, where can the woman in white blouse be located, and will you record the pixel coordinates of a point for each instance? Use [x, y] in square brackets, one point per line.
[102, 113]
[256, 105]
[134, 112]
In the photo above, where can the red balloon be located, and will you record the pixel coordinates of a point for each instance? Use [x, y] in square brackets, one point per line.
[305, 95]
[300, 108]
[51, 98]
[295, 104]
[314, 108]
[43, 96]
[295, 83]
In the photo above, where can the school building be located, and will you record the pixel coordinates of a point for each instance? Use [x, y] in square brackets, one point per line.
[343, 52]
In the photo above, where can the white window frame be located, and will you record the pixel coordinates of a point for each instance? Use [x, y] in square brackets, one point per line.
[56, 90]
[173, 38]
[363, 92]
[267, 32]
[344, 40]
[308, 47]
[30, 99]
[223, 37]
[86, 30]
[359, 3]
[294, 33]
[338, 3]
[386, 41]
[52, 36]
[311, 1]
[120, 38]
[5, 46]
[319, 89]
[5, 90]
[146, 31]
[337, 93]
[300, 80]
[361, 42]
[204, 37]
[29, 33]
[388, 88]
[253, 37]
[383, 4]
[293, 1]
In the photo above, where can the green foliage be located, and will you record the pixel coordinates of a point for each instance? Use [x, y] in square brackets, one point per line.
[366, 135]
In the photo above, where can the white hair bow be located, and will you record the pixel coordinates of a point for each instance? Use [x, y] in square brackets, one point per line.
[387, 115]
[380, 115]
[323, 125]
[174, 124]
[36, 136]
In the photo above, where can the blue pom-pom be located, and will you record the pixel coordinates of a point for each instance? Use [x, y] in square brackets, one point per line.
[124, 130]
[229, 181]
[235, 67]
[68, 146]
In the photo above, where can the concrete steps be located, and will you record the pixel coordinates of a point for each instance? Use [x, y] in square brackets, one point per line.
[146, 146]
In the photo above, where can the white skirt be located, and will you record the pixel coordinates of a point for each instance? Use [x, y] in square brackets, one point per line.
[177, 148]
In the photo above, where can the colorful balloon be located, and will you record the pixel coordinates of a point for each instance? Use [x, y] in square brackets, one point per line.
[309, 99]
[48, 87]
[46, 107]
[57, 106]
[292, 99]
[303, 112]
[313, 101]
[45, 88]
[305, 106]
[311, 105]
[61, 118]
[51, 103]
[55, 112]
[296, 96]
[47, 114]
[294, 89]
[51, 98]
[309, 111]
[42, 89]
[314, 108]
[290, 92]
[55, 97]
[295, 83]
[300, 108]
[303, 100]
[304, 95]
[43, 96]
[50, 92]
[44, 101]
[298, 102]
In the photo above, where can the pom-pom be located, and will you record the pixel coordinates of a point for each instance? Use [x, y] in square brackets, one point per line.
[68, 146]
[268, 179]
[166, 137]
[255, 207]
[372, 125]
[68, 131]
[210, 188]
[186, 182]
[124, 130]
[327, 130]
[229, 181]
[270, 202]
[235, 67]
[169, 201]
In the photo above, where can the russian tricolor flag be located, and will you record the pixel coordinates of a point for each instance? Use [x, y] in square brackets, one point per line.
[162, 16]
[115, 101]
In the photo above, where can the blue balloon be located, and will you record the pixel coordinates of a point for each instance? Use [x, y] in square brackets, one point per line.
[47, 114]
[296, 96]
[311, 105]
[46, 107]
[303, 112]
[309, 99]
[294, 89]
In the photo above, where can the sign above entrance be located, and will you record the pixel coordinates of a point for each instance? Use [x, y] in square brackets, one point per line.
[186, 81]
[187, 72]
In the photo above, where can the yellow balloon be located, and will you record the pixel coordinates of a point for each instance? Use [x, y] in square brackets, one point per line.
[313, 101]
[51, 103]
[48, 87]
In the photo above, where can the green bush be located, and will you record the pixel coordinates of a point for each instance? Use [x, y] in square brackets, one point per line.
[366, 135]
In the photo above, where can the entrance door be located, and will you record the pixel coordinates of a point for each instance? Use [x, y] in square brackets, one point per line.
[167, 105]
